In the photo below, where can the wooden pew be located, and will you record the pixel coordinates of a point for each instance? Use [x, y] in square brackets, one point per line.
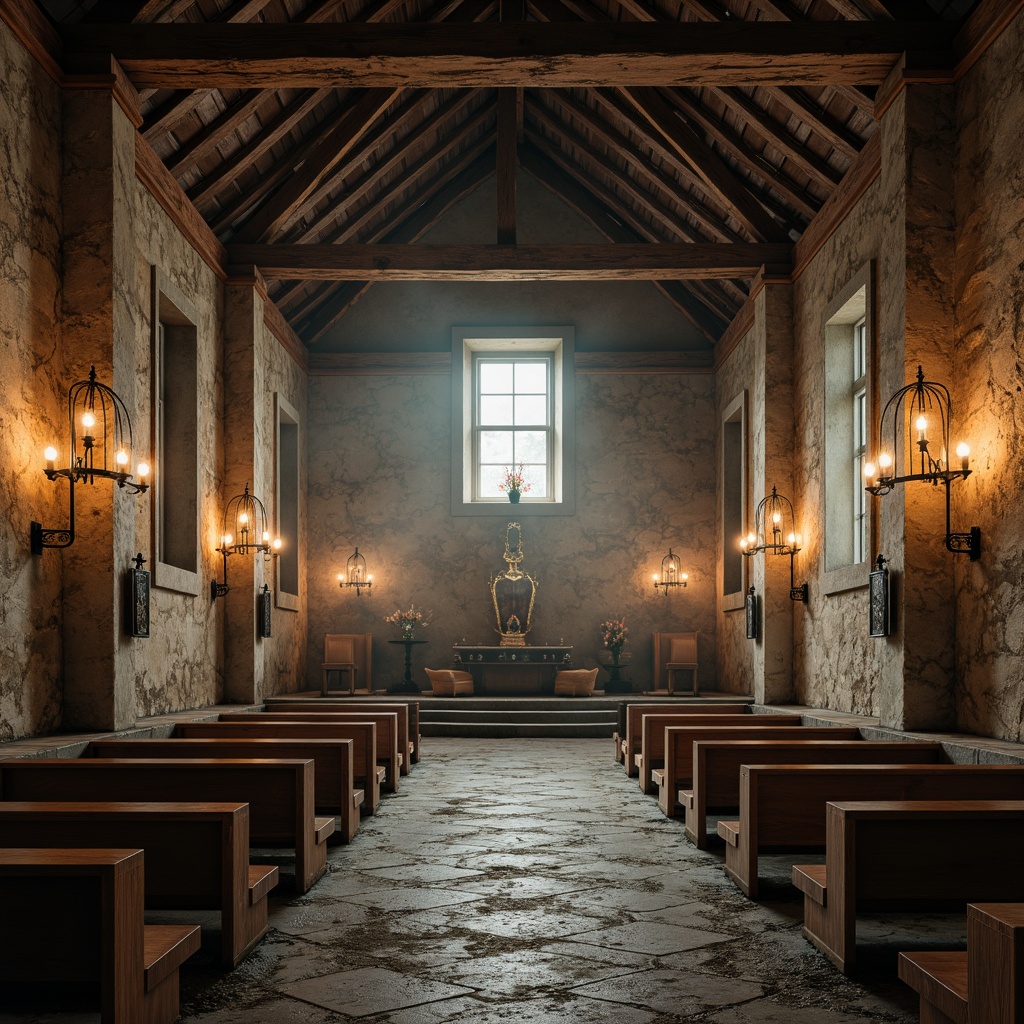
[677, 770]
[333, 789]
[279, 793]
[197, 855]
[715, 782]
[388, 753]
[408, 716]
[619, 736]
[75, 926]
[982, 985]
[652, 736]
[783, 805]
[630, 744]
[902, 852]
[367, 774]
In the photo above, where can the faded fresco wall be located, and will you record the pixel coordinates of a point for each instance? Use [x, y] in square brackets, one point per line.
[989, 397]
[379, 464]
[31, 372]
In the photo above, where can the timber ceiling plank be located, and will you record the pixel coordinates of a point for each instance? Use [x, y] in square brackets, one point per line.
[506, 165]
[549, 54]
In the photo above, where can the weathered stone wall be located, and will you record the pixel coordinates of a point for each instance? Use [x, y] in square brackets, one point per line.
[31, 376]
[989, 395]
[379, 465]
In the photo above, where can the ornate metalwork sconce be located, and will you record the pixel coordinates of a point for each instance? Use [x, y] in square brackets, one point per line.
[355, 574]
[100, 444]
[246, 531]
[775, 532]
[513, 592]
[670, 575]
[910, 410]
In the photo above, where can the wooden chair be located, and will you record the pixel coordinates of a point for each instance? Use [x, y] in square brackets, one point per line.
[347, 652]
[674, 652]
[575, 682]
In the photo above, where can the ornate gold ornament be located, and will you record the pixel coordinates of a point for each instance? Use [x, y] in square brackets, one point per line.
[513, 592]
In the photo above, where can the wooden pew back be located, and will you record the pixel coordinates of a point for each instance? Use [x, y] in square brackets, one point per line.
[279, 793]
[196, 854]
[385, 721]
[784, 804]
[631, 724]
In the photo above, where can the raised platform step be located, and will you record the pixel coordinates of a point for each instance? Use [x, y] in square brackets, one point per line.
[512, 729]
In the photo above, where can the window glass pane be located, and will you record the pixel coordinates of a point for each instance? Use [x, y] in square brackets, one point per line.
[531, 410]
[490, 477]
[496, 446]
[495, 378]
[531, 378]
[531, 446]
[496, 410]
[537, 478]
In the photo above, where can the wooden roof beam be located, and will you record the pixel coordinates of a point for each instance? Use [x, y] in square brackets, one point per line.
[549, 55]
[643, 262]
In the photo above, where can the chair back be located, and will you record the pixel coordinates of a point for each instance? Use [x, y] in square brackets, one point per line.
[339, 649]
[682, 649]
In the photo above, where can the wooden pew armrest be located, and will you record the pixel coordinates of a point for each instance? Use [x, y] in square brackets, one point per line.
[658, 776]
[323, 828]
[810, 880]
[165, 948]
[685, 797]
[940, 978]
[262, 878]
[730, 832]
[381, 773]
[358, 798]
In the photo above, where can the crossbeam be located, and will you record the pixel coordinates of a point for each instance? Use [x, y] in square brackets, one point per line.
[549, 55]
[624, 262]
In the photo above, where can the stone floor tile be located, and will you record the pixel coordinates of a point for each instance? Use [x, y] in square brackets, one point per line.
[422, 873]
[559, 1010]
[529, 922]
[525, 888]
[651, 937]
[440, 1012]
[370, 990]
[414, 898]
[672, 992]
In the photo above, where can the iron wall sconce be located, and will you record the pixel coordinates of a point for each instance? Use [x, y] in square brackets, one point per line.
[775, 533]
[355, 574]
[670, 574]
[246, 531]
[100, 445]
[910, 408]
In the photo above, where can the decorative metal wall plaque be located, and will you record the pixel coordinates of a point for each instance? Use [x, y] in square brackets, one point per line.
[263, 608]
[878, 580]
[513, 593]
[138, 598]
[751, 608]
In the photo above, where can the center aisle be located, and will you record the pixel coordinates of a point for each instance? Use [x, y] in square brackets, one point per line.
[530, 881]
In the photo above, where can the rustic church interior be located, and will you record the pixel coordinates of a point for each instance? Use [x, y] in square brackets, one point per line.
[402, 400]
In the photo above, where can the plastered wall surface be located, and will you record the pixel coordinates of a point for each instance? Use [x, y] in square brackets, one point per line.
[989, 291]
[31, 373]
[379, 464]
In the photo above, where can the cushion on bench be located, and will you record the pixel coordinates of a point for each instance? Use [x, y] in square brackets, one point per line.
[575, 682]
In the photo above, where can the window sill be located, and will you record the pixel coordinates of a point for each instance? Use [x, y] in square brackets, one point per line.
[734, 602]
[504, 509]
[849, 577]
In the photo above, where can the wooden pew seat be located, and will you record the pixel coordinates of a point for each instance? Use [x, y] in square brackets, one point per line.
[900, 853]
[80, 932]
[279, 792]
[982, 985]
[783, 805]
[197, 855]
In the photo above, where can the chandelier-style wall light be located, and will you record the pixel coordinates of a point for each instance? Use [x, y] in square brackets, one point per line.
[355, 574]
[775, 532]
[915, 408]
[246, 531]
[670, 576]
[100, 445]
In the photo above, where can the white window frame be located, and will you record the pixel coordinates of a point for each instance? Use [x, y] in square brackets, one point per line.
[559, 344]
[288, 501]
[847, 527]
[175, 505]
[734, 506]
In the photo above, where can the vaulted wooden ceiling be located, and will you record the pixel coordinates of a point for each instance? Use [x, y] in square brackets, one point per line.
[319, 138]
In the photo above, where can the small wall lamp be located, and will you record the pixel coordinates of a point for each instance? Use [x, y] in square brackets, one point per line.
[774, 532]
[355, 574]
[911, 408]
[100, 444]
[670, 574]
[246, 531]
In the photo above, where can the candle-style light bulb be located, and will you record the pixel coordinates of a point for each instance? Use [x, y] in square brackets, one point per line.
[266, 536]
[869, 470]
[143, 469]
[369, 577]
[121, 458]
[654, 576]
[963, 452]
[278, 543]
[685, 577]
[244, 519]
[791, 539]
[922, 426]
[227, 540]
[88, 420]
[51, 457]
[884, 461]
[341, 578]
[776, 518]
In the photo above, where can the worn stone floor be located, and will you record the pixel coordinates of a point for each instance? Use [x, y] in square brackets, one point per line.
[530, 881]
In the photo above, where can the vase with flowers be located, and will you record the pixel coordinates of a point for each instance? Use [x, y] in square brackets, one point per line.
[615, 636]
[408, 621]
[514, 483]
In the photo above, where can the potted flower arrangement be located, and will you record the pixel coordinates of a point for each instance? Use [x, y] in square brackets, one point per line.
[514, 484]
[408, 620]
[614, 636]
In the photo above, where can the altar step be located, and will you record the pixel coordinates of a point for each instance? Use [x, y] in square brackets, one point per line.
[579, 718]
